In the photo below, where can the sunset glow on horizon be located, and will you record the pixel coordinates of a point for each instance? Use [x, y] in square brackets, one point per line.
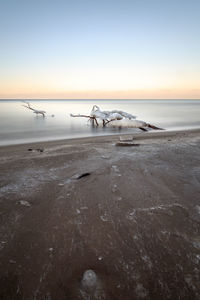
[100, 49]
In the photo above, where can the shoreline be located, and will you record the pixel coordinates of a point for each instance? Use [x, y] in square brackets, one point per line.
[129, 214]
[136, 136]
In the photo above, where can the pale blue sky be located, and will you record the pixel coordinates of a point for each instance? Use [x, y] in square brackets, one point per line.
[61, 47]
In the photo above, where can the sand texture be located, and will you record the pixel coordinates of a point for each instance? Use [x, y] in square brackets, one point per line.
[128, 229]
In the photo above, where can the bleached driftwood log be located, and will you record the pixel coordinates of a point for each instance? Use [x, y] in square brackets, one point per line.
[116, 118]
[35, 111]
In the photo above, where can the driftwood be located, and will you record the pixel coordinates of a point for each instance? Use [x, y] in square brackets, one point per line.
[83, 175]
[38, 150]
[35, 111]
[91, 118]
[116, 118]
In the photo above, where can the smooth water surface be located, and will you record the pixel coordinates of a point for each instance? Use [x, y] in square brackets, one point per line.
[20, 125]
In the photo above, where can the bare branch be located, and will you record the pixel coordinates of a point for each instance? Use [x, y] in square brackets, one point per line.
[42, 112]
[81, 116]
[28, 107]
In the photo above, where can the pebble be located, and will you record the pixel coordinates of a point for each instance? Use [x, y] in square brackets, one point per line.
[24, 203]
[89, 279]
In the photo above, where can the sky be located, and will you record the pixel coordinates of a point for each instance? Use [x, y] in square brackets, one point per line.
[104, 49]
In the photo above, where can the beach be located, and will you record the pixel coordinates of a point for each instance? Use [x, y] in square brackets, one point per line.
[88, 219]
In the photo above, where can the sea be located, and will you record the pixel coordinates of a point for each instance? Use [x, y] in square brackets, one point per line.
[20, 125]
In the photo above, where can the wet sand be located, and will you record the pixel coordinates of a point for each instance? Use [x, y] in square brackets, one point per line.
[134, 220]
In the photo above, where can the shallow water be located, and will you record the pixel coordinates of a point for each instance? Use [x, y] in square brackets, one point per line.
[20, 125]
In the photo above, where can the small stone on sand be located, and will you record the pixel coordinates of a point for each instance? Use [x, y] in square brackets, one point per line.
[24, 203]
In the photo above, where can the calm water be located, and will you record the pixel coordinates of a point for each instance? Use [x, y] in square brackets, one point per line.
[20, 125]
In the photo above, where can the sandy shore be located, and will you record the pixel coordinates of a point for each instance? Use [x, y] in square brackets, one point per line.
[134, 220]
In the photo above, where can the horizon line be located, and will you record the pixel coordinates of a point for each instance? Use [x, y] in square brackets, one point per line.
[28, 99]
